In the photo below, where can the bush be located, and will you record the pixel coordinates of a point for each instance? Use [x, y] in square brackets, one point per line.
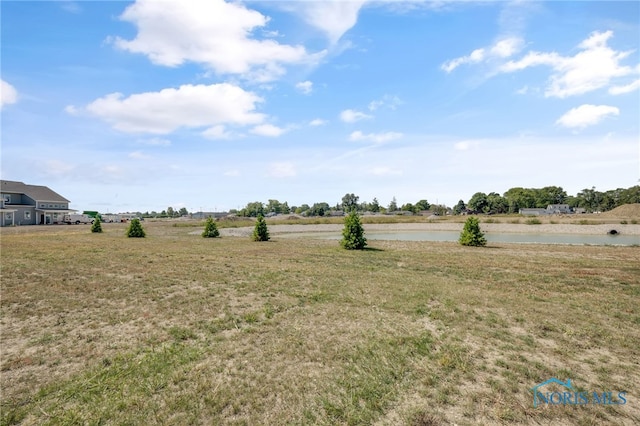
[260, 232]
[96, 226]
[533, 221]
[210, 229]
[471, 234]
[353, 233]
[135, 229]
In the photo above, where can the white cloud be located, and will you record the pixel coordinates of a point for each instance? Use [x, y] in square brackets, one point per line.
[586, 115]
[317, 122]
[139, 155]
[58, 168]
[213, 33]
[590, 69]
[305, 87]
[507, 47]
[268, 130]
[391, 102]
[71, 110]
[374, 137]
[8, 94]
[217, 132]
[501, 49]
[70, 6]
[155, 142]
[169, 109]
[351, 116]
[332, 17]
[281, 170]
[465, 145]
[628, 88]
[232, 173]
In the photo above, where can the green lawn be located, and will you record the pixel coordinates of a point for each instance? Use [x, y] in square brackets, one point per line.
[179, 329]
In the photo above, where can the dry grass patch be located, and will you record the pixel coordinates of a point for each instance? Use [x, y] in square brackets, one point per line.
[174, 328]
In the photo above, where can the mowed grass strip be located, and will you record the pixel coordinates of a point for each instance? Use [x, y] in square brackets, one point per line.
[178, 329]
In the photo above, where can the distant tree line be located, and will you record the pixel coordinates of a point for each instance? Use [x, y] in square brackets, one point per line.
[492, 203]
[517, 198]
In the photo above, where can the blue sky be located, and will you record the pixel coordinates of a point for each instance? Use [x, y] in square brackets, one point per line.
[137, 106]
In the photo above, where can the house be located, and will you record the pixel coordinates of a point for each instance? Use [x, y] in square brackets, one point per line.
[24, 204]
[551, 209]
[533, 212]
[558, 209]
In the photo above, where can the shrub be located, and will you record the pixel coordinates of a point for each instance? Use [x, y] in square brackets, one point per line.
[260, 232]
[533, 221]
[353, 232]
[96, 226]
[210, 229]
[135, 229]
[471, 234]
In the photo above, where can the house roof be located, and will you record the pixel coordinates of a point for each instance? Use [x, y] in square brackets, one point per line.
[37, 192]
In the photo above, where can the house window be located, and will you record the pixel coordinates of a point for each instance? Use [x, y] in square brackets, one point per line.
[27, 215]
[7, 198]
[55, 206]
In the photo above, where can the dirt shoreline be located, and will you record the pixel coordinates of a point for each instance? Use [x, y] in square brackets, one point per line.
[495, 228]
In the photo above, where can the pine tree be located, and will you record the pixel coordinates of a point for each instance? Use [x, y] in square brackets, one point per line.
[135, 229]
[96, 226]
[210, 229]
[353, 232]
[471, 234]
[260, 233]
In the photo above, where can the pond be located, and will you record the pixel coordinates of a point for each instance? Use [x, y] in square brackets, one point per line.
[521, 238]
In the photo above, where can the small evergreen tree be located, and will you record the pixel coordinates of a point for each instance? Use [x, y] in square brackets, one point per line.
[210, 229]
[96, 226]
[135, 229]
[353, 233]
[471, 234]
[260, 232]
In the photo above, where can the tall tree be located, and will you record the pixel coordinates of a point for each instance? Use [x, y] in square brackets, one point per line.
[350, 202]
[408, 207]
[253, 209]
[479, 202]
[496, 203]
[393, 205]
[460, 207]
[423, 205]
[374, 206]
[274, 206]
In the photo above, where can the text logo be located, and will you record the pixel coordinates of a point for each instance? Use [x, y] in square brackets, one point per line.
[571, 396]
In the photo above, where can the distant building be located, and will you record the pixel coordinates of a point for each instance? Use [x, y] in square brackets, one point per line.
[24, 204]
[551, 209]
[533, 212]
[204, 215]
[559, 209]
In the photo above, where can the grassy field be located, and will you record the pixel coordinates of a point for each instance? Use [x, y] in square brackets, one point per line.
[178, 329]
